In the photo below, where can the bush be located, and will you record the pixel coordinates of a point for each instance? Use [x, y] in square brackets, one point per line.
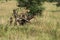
[33, 5]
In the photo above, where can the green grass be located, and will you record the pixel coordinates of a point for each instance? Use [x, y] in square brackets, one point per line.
[26, 32]
[45, 27]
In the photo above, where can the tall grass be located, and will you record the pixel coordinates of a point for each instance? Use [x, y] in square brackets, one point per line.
[46, 27]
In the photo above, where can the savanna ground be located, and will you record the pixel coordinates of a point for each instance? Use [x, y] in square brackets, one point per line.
[45, 27]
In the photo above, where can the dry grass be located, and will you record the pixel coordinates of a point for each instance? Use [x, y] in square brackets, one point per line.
[6, 10]
[46, 27]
